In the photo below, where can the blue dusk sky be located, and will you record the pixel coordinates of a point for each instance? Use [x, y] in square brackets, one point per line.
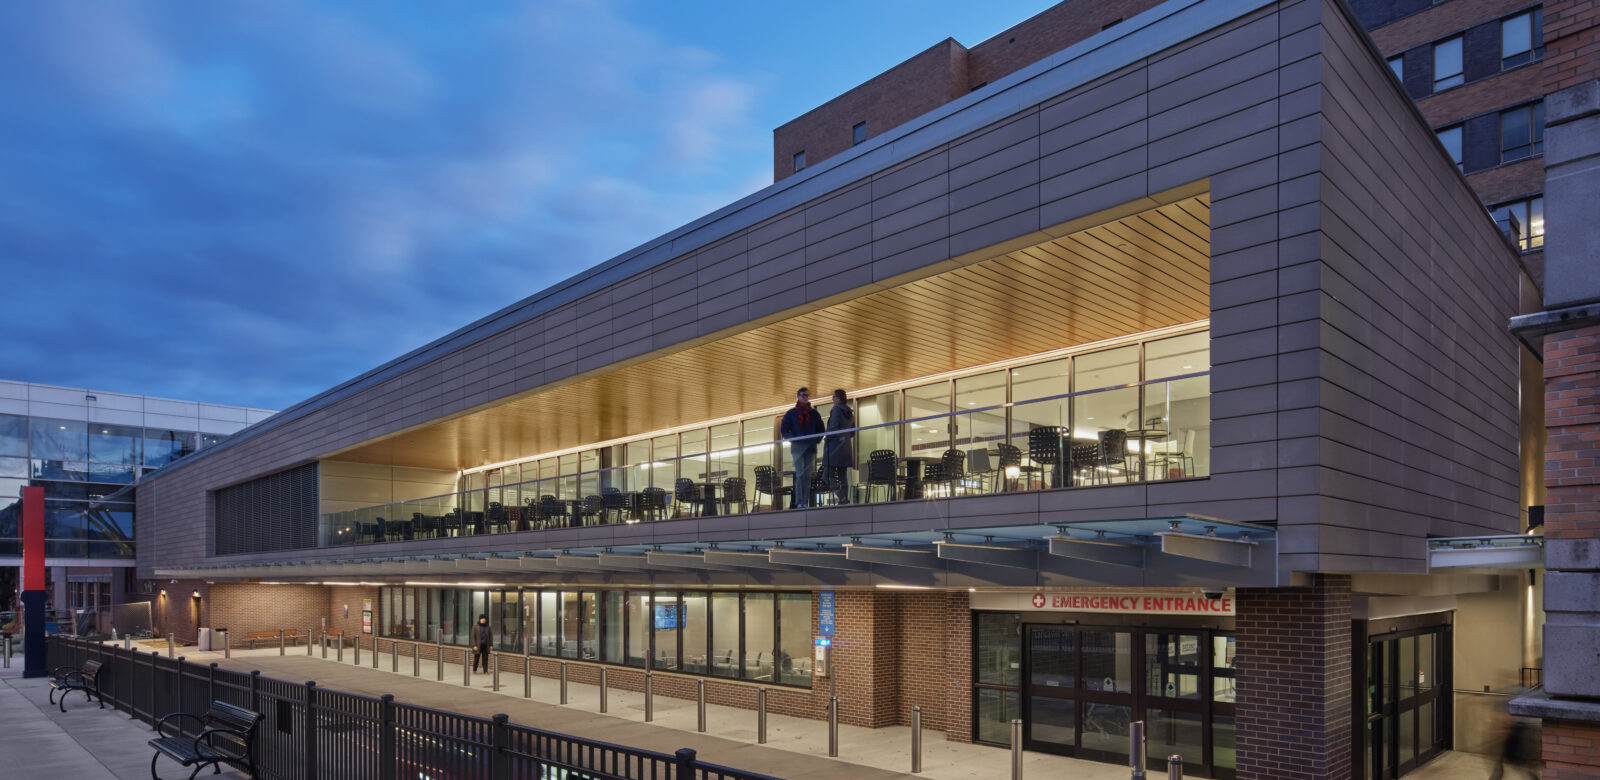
[247, 202]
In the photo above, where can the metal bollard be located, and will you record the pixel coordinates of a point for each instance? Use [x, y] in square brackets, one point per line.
[701, 684]
[527, 677]
[7, 654]
[357, 659]
[324, 644]
[564, 683]
[1136, 749]
[170, 646]
[602, 689]
[438, 654]
[394, 654]
[282, 648]
[1175, 767]
[833, 726]
[1016, 749]
[310, 635]
[916, 739]
[649, 697]
[467, 665]
[340, 655]
[416, 659]
[227, 644]
[761, 716]
[127, 642]
[494, 666]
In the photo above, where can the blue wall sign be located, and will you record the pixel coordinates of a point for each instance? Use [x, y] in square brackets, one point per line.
[825, 613]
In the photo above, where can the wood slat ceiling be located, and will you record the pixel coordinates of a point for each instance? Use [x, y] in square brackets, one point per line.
[1141, 272]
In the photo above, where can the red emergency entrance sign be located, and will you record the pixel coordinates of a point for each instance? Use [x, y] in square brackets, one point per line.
[1105, 603]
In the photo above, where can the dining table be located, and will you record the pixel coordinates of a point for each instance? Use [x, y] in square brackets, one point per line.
[913, 471]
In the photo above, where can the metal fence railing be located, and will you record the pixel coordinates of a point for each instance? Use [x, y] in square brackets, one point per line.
[308, 732]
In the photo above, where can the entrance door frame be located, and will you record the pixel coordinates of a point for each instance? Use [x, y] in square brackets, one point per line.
[1137, 699]
[1364, 633]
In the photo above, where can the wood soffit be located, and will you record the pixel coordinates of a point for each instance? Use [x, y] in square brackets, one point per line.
[1141, 272]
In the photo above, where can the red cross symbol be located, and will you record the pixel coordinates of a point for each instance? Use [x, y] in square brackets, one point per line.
[1038, 601]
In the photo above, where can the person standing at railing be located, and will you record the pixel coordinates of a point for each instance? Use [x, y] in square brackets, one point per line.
[482, 638]
[800, 421]
[839, 452]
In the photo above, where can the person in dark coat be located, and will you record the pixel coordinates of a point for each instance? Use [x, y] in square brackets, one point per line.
[839, 451]
[802, 420]
[481, 638]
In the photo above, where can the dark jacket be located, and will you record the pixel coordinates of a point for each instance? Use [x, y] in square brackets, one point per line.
[839, 451]
[792, 429]
[480, 631]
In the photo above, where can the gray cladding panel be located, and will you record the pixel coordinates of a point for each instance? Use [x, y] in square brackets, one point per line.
[1259, 107]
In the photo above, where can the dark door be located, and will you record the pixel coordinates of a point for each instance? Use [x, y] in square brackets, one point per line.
[1080, 694]
[1052, 689]
[1405, 717]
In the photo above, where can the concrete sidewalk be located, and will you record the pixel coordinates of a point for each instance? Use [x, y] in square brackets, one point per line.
[83, 743]
[797, 748]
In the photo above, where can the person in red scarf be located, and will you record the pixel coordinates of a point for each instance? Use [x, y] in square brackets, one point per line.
[802, 421]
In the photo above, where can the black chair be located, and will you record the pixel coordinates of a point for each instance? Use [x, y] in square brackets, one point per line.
[932, 474]
[733, 492]
[1114, 453]
[821, 490]
[883, 470]
[686, 493]
[593, 506]
[499, 518]
[952, 469]
[1044, 448]
[615, 504]
[424, 525]
[1010, 458]
[533, 514]
[653, 503]
[553, 511]
[1085, 463]
[769, 482]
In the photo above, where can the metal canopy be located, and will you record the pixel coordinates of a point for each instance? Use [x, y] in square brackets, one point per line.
[1513, 551]
[998, 553]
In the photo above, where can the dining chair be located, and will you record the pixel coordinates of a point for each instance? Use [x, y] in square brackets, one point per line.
[769, 483]
[687, 494]
[882, 471]
[733, 492]
[1044, 448]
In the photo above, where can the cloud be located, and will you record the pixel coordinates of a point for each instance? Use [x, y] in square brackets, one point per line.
[249, 202]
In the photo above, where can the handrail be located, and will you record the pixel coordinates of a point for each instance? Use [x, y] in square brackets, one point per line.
[135, 675]
[593, 473]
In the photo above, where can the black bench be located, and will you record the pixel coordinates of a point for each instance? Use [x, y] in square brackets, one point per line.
[224, 737]
[66, 679]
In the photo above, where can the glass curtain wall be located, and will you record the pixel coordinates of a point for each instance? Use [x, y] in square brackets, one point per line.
[764, 637]
[1140, 411]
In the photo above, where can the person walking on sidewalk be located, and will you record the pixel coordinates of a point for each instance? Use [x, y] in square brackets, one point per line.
[481, 638]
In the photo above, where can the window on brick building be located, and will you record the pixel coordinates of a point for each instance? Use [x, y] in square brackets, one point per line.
[1398, 65]
[1529, 214]
[858, 133]
[1522, 39]
[799, 161]
[1451, 138]
[1447, 64]
[1522, 132]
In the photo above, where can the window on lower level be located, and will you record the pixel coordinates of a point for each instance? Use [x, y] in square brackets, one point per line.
[1398, 65]
[1451, 138]
[1522, 132]
[1529, 216]
[1522, 39]
[858, 133]
[799, 161]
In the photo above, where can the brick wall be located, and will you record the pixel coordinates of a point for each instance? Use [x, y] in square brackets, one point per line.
[1570, 43]
[1570, 749]
[245, 607]
[922, 83]
[1046, 33]
[1294, 681]
[173, 613]
[1572, 452]
[1442, 20]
